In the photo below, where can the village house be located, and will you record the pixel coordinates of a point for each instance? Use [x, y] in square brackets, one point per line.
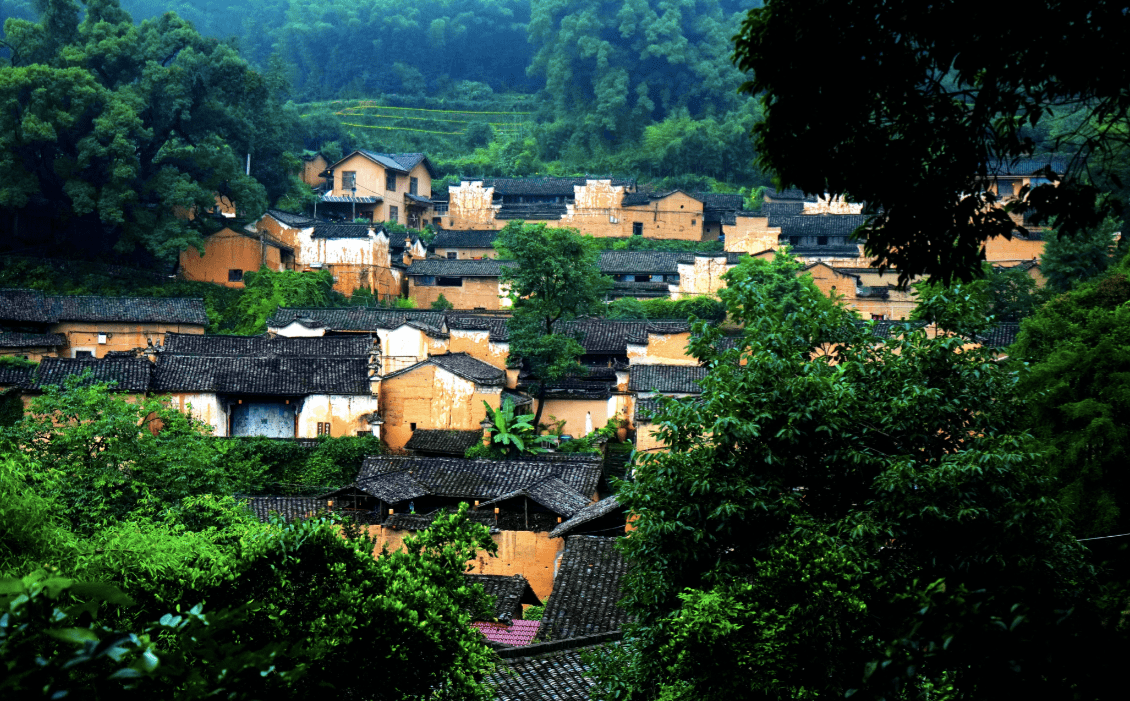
[465, 243]
[604, 207]
[406, 336]
[440, 392]
[534, 494]
[129, 377]
[229, 253]
[314, 167]
[274, 387]
[34, 325]
[467, 284]
[388, 187]
[647, 383]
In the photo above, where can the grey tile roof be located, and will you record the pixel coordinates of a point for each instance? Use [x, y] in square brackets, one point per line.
[458, 268]
[327, 230]
[496, 325]
[1000, 336]
[775, 211]
[356, 318]
[590, 513]
[352, 346]
[32, 340]
[403, 162]
[791, 193]
[407, 477]
[166, 310]
[464, 238]
[131, 374]
[462, 365]
[647, 406]
[586, 590]
[509, 592]
[650, 262]
[673, 379]
[289, 508]
[719, 200]
[276, 375]
[532, 211]
[295, 221]
[551, 493]
[25, 305]
[821, 224]
[1028, 166]
[14, 377]
[418, 522]
[418, 199]
[544, 185]
[447, 441]
[637, 199]
[554, 675]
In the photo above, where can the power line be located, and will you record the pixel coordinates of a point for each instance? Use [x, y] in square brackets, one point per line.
[1101, 537]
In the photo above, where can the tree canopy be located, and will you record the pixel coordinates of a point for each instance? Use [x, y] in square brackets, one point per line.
[839, 517]
[893, 105]
[120, 134]
[557, 278]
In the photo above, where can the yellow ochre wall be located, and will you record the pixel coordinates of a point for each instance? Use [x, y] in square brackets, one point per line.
[123, 336]
[372, 182]
[532, 555]
[477, 345]
[462, 253]
[575, 413]
[475, 292]
[227, 250]
[431, 398]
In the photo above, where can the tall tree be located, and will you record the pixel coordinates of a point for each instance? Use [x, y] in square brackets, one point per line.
[848, 85]
[556, 279]
[839, 517]
[1074, 358]
[1069, 260]
[616, 66]
[118, 134]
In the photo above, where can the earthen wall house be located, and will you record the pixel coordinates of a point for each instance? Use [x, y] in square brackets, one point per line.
[274, 387]
[608, 207]
[228, 254]
[442, 392]
[312, 168]
[467, 284]
[394, 187]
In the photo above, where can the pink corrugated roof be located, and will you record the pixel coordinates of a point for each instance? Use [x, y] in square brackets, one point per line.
[517, 633]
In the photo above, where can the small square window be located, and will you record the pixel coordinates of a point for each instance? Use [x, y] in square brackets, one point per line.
[412, 427]
[102, 336]
[694, 221]
[451, 255]
[349, 180]
[84, 354]
[364, 433]
[637, 228]
[235, 275]
[821, 240]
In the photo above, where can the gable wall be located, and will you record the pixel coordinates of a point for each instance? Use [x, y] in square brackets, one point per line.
[477, 345]
[432, 398]
[475, 292]
[223, 251]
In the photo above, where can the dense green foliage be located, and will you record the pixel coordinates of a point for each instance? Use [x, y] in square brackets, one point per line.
[937, 106]
[128, 129]
[698, 307]
[215, 602]
[557, 279]
[1077, 396]
[839, 517]
[1068, 260]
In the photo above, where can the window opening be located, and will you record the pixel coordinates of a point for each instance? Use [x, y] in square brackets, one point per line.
[349, 180]
[390, 181]
[637, 228]
[235, 275]
[413, 186]
[394, 213]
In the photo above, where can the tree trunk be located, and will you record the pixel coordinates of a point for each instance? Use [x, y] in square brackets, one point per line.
[541, 405]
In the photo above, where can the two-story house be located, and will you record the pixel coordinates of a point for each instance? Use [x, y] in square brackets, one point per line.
[392, 187]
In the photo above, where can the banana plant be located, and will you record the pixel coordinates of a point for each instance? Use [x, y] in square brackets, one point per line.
[513, 433]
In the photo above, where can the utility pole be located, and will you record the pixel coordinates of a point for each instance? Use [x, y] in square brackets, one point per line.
[354, 190]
